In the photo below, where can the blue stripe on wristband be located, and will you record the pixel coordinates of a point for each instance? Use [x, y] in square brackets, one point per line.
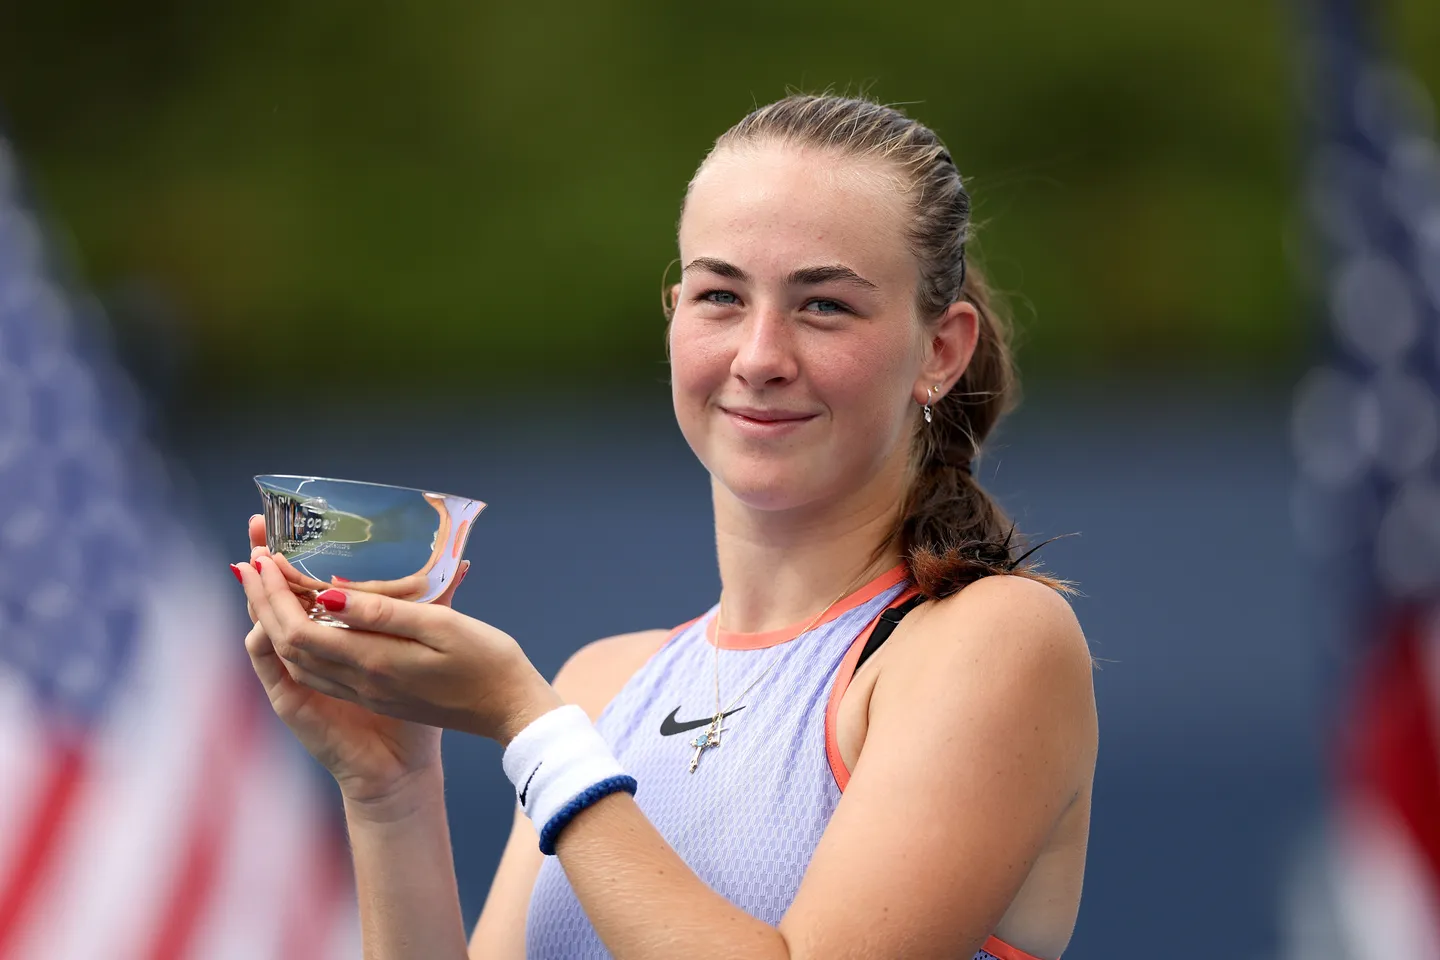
[551, 831]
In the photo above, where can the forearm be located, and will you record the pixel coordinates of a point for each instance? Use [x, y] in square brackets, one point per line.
[405, 875]
[644, 901]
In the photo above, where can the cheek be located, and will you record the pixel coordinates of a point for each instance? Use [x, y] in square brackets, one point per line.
[699, 358]
[698, 367]
[867, 389]
[867, 379]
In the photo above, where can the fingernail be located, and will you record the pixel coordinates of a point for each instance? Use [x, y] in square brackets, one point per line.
[257, 565]
[461, 579]
[339, 579]
[236, 570]
[332, 600]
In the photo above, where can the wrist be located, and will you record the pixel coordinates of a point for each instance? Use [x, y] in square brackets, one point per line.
[539, 699]
[560, 765]
[416, 793]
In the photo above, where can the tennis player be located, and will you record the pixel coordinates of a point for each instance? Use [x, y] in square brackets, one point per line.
[880, 742]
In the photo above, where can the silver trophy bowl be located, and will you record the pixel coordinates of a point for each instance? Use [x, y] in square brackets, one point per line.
[397, 541]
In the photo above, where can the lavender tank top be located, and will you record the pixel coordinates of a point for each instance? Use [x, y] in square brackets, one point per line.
[749, 819]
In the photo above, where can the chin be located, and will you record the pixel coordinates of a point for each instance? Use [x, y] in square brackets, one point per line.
[769, 486]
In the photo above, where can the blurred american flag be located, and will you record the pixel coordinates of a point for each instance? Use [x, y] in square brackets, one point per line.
[150, 805]
[1366, 427]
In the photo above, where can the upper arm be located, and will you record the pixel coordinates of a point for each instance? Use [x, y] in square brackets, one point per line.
[982, 731]
[590, 678]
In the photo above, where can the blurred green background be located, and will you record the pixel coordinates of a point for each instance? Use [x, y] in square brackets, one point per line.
[457, 196]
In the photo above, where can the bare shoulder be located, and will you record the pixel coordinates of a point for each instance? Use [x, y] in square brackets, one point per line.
[1030, 618]
[1006, 632]
[1006, 658]
[596, 672]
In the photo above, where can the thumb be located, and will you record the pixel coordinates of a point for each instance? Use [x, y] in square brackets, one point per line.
[448, 597]
[257, 531]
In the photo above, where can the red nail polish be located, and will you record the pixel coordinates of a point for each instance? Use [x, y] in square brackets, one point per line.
[236, 570]
[332, 600]
[257, 565]
[340, 579]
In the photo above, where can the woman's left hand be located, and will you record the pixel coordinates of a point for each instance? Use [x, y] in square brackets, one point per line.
[415, 661]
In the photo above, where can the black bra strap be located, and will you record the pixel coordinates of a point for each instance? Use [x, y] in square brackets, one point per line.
[883, 628]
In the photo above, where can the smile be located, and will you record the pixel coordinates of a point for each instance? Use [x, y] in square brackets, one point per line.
[766, 423]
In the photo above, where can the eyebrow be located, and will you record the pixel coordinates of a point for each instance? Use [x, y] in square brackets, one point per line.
[803, 277]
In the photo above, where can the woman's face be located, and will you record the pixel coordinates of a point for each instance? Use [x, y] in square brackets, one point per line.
[794, 347]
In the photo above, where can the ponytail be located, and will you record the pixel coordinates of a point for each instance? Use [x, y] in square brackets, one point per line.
[951, 531]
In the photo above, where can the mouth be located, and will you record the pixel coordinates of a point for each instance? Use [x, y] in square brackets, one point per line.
[767, 416]
[765, 421]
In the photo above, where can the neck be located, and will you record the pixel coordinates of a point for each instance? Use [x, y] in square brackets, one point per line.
[779, 568]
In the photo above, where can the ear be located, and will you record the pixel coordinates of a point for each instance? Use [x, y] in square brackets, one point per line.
[949, 345]
[674, 296]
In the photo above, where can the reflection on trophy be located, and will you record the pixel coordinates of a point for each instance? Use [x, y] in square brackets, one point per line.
[397, 541]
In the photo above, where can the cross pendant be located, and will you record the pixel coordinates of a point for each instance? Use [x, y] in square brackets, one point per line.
[710, 738]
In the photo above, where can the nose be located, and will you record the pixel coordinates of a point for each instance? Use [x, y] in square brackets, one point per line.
[765, 355]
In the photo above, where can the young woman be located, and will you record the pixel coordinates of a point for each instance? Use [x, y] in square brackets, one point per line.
[753, 790]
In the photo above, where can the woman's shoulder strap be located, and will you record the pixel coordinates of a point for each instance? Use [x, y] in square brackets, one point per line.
[889, 619]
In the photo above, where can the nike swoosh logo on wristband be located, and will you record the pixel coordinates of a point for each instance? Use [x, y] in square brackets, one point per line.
[527, 781]
[670, 726]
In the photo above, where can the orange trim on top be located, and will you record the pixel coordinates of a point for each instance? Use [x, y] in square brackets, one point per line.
[843, 676]
[1004, 951]
[679, 630]
[732, 640]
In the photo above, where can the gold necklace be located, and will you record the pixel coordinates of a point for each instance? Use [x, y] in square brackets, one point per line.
[711, 736]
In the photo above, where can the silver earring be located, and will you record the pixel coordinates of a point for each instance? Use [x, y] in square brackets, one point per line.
[929, 392]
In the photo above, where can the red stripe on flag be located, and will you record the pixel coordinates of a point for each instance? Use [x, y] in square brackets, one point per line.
[229, 744]
[1392, 755]
[42, 833]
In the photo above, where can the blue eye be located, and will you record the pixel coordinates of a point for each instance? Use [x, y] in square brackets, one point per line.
[722, 297]
[828, 306]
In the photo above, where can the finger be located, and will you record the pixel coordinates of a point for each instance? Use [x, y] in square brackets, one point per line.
[268, 666]
[351, 658]
[286, 619]
[386, 615]
[249, 608]
[258, 602]
[257, 532]
[447, 598]
[275, 606]
[269, 622]
[324, 684]
[292, 574]
[341, 655]
[404, 588]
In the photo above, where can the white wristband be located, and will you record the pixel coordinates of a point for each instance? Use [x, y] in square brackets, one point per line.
[560, 765]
